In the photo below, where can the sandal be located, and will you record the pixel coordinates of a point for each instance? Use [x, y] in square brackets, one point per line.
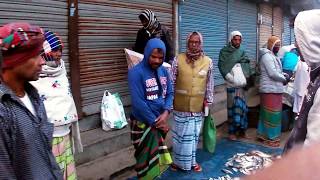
[271, 143]
[174, 167]
[197, 168]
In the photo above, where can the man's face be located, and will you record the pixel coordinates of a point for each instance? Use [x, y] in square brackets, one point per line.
[236, 41]
[194, 42]
[156, 59]
[144, 21]
[276, 48]
[31, 69]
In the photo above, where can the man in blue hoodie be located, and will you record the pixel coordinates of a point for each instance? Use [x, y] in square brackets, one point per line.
[152, 98]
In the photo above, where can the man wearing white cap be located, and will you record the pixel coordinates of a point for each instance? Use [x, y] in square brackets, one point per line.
[229, 56]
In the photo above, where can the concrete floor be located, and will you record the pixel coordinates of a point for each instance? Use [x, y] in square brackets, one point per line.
[221, 133]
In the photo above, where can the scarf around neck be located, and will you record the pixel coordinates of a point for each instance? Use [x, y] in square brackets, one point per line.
[194, 54]
[48, 71]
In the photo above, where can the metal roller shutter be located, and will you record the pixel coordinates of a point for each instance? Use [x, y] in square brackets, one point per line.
[266, 26]
[50, 15]
[209, 18]
[105, 29]
[286, 39]
[277, 22]
[243, 18]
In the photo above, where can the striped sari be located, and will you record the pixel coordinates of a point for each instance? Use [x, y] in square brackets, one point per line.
[62, 150]
[269, 127]
[152, 155]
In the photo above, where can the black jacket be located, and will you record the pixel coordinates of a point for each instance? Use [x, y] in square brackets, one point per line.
[161, 32]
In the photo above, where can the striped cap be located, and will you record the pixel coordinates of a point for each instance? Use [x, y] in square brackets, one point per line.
[52, 42]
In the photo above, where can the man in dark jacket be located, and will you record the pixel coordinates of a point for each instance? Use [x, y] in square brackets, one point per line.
[25, 133]
[153, 29]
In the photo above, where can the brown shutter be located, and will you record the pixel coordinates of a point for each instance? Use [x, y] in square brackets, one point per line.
[105, 29]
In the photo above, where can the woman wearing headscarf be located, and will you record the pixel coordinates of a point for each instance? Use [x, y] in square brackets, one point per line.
[230, 55]
[54, 90]
[307, 33]
[153, 29]
[192, 74]
[271, 89]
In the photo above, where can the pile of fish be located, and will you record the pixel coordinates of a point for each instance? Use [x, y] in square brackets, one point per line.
[226, 177]
[248, 163]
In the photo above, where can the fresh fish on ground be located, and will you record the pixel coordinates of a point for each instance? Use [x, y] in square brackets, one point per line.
[226, 171]
[248, 163]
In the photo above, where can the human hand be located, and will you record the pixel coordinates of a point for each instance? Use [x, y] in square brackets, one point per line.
[161, 121]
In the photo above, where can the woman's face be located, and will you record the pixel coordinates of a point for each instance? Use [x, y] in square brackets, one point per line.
[56, 57]
[144, 21]
[57, 54]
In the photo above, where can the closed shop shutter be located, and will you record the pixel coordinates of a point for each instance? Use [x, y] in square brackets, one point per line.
[243, 18]
[277, 22]
[266, 25]
[286, 39]
[50, 15]
[105, 29]
[209, 18]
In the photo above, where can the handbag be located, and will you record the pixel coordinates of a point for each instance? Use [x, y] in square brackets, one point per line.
[112, 112]
[209, 134]
[239, 80]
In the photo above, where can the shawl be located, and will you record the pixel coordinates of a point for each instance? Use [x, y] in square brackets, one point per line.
[229, 56]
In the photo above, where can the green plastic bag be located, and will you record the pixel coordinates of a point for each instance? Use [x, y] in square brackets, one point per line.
[209, 134]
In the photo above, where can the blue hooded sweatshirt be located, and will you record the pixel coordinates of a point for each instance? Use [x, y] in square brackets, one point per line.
[149, 98]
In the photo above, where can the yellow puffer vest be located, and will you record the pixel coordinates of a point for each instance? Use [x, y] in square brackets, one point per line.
[191, 84]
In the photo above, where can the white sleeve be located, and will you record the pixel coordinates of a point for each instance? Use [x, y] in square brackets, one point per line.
[313, 126]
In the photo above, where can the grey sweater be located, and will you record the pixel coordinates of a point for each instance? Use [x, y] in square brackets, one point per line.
[271, 78]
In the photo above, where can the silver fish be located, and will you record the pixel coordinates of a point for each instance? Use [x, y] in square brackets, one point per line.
[227, 171]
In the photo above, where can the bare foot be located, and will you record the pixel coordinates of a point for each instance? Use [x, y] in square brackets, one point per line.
[244, 135]
[232, 137]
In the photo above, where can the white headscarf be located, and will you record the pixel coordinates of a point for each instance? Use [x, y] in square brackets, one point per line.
[307, 32]
[284, 49]
[234, 33]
